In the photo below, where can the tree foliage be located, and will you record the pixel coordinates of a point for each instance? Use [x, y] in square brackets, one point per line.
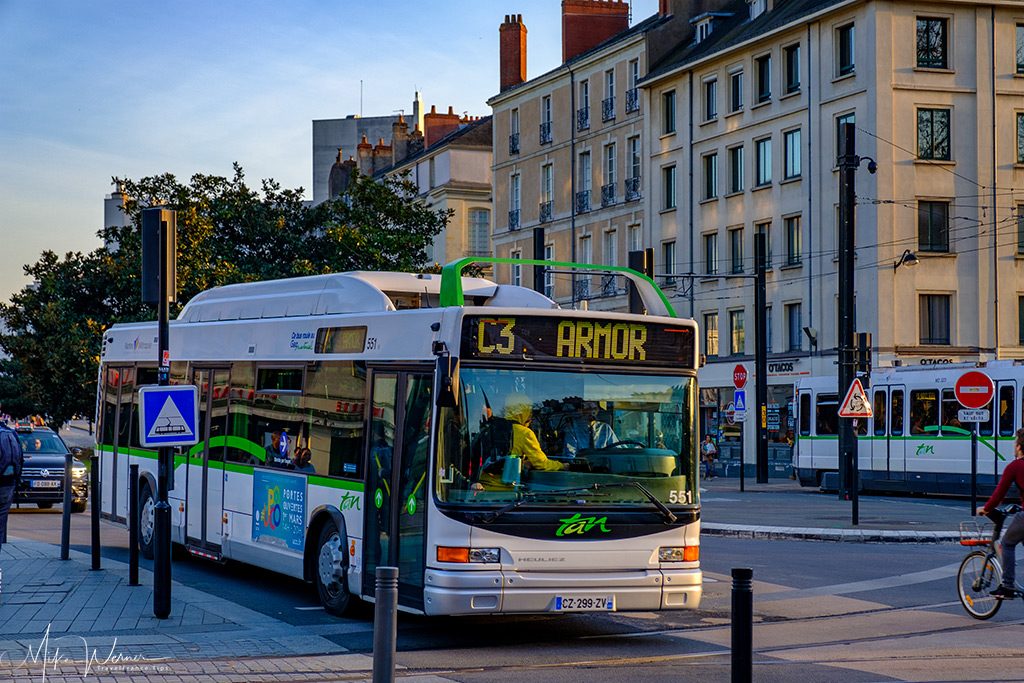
[227, 232]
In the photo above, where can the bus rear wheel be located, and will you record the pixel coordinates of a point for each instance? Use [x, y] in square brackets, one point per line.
[332, 571]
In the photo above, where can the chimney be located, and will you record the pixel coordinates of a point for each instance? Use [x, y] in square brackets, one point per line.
[588, 23]
[400, 139]
[439, 125]
[512, 47]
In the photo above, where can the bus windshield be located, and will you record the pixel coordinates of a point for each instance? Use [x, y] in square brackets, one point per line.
[556, 437]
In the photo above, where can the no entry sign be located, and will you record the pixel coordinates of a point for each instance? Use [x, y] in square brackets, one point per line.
[974, 389]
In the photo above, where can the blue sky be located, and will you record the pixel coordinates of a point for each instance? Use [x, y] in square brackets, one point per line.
[91, 90]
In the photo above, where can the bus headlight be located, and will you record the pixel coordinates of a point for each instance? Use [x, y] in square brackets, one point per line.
[684, 553]
[467, 555]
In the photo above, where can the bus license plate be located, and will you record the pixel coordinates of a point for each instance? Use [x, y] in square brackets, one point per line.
[579, 603]
[45, 484]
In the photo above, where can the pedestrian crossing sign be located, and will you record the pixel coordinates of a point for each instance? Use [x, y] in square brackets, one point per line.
[168, 416]
[856, 403]
[739, 400]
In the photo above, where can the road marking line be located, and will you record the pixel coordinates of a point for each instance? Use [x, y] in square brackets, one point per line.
[935, 574]
[310, 609]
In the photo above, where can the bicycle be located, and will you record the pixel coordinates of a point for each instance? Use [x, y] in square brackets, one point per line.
[982, 570]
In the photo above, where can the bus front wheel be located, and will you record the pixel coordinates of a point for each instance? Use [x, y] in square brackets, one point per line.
[147, 505]
[331, 571]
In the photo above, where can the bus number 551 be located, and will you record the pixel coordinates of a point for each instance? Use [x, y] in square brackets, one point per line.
[682, 497]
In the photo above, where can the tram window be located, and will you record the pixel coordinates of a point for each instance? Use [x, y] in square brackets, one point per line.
[826, 414]
[1006, 410]
[279, 379]
[878, 411]
[896, 413]
[950, 410]
[924, 410]
[805, 414]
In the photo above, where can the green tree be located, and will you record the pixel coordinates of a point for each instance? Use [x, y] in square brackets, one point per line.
[227, 232]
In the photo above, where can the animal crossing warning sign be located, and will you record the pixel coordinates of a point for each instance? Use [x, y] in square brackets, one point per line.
[856, 402]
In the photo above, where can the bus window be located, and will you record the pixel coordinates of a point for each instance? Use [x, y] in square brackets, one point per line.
[950, 409]
[879, 413]
[805, 414]
[1006, 410]
[826, 414]
[240, 404]
[924, 410]
[334, 432]
[896, 413]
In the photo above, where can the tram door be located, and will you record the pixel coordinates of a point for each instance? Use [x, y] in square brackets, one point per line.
[400, 429]
[204, 507]
[888, 447]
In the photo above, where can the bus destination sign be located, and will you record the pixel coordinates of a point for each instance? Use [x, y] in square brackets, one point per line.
[577, 339]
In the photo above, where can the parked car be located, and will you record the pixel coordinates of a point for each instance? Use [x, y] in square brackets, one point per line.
[42, 479]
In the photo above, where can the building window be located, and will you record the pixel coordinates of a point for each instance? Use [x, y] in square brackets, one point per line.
[479, 232]
[710, 99]
[794, 327]
[935, 319]
[1020, 48]
[844, 50]
[791, 142]
[737, 336]
[764, 78]
[515, 194]
[711, 334]
[668, 112]
[932, 43]
[547, 192]
[608, 189]
[793, 241]
[840, 120]
[608, 103]
[736, 251]
[764, 161]
[933, 226]
[586, 254]
[635, 238]
[1020, 138]
[766, 230]
[668, 187]
[633, 94]
[610, 248]
[432, 172]
[792, 55]
[517, 268]
[711, 253]
[736, 91]
[1020, 320]
[513, 135]
[545, 119]
[634, 158]
[933, 134]
[549, 282]
[668, 258]
[710, 176]
[584, 183]
[1020, 228]
[736, 169]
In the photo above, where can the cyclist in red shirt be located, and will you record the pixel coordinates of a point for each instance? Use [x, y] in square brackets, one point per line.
[1014, 534]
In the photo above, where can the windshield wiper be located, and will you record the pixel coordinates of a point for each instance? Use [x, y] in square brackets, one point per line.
[670, 518]
[525, 496]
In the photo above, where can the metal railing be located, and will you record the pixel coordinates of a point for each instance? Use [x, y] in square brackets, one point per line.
[632, 100]
[608, 194]
[545, 211]
[582, 287]
[608, 287]
[545, 132]
[583, 118]
[513, 143]
[608, 108]
[632, 189]
[583, 201]
[513, 219]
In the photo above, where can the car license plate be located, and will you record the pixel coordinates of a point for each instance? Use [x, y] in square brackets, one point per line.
[45, 484]
[584, 603]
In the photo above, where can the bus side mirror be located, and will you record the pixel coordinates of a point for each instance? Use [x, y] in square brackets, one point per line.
[446, 379]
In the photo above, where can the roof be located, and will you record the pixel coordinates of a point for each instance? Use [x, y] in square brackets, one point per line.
[737, 29]
[475, 134]
[636, 29]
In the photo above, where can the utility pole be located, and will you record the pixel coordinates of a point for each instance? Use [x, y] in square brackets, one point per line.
[848, 163]
[761, 358]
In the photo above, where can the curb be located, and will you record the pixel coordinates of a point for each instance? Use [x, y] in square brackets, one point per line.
[837, 535]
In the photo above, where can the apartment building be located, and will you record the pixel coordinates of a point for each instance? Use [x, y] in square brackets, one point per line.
[568, 152]
[743, 122]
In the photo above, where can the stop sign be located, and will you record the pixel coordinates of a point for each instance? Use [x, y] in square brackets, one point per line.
[739, 376]
[974, 389]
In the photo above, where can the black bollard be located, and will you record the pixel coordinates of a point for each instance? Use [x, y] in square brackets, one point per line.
[65, 522]
[742, 625]
[133, 525]
[94, 499]
[385, 625]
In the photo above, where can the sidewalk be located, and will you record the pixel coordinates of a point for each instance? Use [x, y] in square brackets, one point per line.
[60, 621]
[783, 509]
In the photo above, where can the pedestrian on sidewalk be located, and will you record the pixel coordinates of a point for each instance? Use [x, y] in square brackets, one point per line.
[708, 452]
[11, 461]
[1014, 534]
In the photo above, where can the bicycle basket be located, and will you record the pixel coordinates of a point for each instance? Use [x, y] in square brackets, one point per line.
[973, 533]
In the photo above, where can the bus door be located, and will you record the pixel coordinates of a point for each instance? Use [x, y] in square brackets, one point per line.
[204, 506]
[400, 433]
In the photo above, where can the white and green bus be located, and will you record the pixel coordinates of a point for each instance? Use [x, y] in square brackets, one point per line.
[507, 455]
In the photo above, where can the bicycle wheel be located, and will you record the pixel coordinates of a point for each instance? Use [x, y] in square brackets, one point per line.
[979, 574]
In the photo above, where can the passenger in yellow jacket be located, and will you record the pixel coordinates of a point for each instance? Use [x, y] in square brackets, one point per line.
[524, 441]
